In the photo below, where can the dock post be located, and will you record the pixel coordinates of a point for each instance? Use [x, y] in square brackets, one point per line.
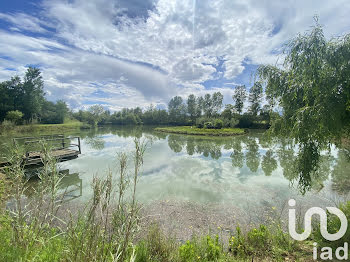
[63, 143]
[79, 144]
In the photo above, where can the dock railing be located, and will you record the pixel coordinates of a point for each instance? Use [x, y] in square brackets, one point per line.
[55, 142]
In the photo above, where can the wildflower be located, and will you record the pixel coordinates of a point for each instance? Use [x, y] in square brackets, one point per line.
[273, 208]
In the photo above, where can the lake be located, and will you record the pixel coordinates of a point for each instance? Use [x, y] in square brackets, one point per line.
[212, 178]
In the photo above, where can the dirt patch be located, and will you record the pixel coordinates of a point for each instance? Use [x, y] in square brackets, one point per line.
[181, 220]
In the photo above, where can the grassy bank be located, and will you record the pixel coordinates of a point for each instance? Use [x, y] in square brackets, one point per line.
[259, 244]
[42, 128]
[192, 130]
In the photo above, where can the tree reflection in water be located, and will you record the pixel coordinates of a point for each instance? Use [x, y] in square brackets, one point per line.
[254, 151]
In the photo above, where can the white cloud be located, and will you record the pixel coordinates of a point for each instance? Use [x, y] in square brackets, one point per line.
[25, 22]
[136, 56]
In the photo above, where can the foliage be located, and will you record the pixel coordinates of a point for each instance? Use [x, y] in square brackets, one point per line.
[14, 116]
[218, 124]
[262, 242]
[156, 247]
[255, 95]
[27, 96]
[192, 107]
[230, 122]
[208, 125]
[105, 229]
[177, 110]
[33, 97]
[206, 249]
[245, 121]
[35, 231]
[239, 97]
[96, 112]
[312, 88]
[54, 113]
[333, 225]
[200, 122]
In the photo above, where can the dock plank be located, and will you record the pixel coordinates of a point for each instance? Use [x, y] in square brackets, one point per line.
[60, 155]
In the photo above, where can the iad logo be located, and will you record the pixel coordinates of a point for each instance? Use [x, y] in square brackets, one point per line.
[326, 251]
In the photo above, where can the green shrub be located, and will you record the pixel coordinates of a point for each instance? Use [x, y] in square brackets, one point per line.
[200, 122]
[230, 122]
[258, 239]
[159, 247]
[14, 116]
[208, 125]
[187, 252]
[333, 226]
[218, 124]
[262, 242]
[245, 121]
[213, 249]
[237, 244]
[206, 249]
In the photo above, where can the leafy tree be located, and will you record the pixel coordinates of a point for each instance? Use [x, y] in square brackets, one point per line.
[217, 99]
[11, 96]
[228, 111]
[61, 110]
[14, 116]
[239, 98]
[192, 107]
[177, 110]
[207, 105]
[33, 97]
[313, 89]
[255, 95]
[218, 124]
[96, 112]
[200, 106]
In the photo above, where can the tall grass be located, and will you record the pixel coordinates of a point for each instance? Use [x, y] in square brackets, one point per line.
[104, 230]
[43, 229]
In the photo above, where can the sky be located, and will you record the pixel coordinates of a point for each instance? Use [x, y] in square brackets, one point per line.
[128, 53]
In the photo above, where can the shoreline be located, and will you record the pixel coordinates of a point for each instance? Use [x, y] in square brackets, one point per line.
[42, 128]
[189, 130]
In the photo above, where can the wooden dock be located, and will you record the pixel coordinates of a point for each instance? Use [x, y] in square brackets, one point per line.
[62, 149]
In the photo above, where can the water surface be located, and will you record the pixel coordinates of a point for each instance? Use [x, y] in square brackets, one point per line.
[246, 171]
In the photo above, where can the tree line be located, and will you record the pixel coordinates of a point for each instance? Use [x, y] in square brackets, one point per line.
[23, 101]
[205, 111]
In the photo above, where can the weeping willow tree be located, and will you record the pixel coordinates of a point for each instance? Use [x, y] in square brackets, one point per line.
[312, 88]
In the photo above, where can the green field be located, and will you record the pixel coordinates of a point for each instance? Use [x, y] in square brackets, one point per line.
[191, 130]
